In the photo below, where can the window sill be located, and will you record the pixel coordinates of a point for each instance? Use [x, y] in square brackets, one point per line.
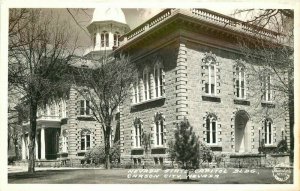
[241, 101]
[148, 101]
[137, 151]
[215, 147]
[270, 146]
[81, 152]
[155, 102]
[159, 147]
[63, 154]
[269, 104]
[137, 148]
[159, 150]
[85, 118]
[212, 98]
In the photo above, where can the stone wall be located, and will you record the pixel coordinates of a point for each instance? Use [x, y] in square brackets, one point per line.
[165, 105]
[76, 124]
[225, 106]
[185, 97]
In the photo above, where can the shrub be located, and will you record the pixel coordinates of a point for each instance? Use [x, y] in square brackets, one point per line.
[115, 152]
[97, 154]
[282, 147]
[219, 158]
[11, 159]
[206, 154]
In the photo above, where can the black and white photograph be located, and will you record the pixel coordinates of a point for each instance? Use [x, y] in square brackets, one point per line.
[109, 94]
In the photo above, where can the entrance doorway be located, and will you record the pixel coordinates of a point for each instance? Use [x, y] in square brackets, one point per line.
[52, 143]
[242, 134]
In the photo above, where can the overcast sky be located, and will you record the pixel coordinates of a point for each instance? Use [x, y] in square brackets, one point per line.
[134, 17]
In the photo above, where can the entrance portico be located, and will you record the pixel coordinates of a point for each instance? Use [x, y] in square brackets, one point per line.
[46, 140]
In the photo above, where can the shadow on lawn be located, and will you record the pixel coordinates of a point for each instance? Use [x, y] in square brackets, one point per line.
[37, 174]
[185, 180]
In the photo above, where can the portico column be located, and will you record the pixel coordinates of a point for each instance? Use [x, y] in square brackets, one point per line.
[23, 148]
[98, 42]
[36, 147]
[111, 40]
[43, 143]
[27, 146]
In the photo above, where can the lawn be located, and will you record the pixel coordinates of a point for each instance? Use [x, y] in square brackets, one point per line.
[129, 176]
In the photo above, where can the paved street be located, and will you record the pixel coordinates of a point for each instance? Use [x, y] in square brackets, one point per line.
[129, 176]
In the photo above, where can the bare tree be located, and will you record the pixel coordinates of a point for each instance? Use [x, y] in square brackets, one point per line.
[273, 55]
[39, 50]
[105, 84]
[16, 116]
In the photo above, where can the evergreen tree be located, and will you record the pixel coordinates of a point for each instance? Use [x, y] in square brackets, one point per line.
[186, 146]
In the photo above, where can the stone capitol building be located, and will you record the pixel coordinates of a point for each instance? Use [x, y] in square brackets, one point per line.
[189, 66]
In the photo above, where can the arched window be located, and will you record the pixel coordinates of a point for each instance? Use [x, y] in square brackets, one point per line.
[104, 39]
[146, 84]
[211, 129]
[210, 74]
[116, 39]
[158, 79]
[137, 132]
[159, 129]
[268, 132]
[64, 141]
[85, 140]
[240, 81]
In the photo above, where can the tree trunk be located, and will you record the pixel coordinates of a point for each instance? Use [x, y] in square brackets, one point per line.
[107, 148]
[291, 113]
[16, 145]
[32, 133]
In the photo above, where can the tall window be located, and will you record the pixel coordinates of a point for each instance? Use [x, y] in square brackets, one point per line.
[135, 92]
[146, 83]
[211, 129]
[111, 138]
[64, 141]
[63, 109]
[104, 39]
[48, 110]
[267, 94]
[158, 80]
[240, 82]
[54, 109]
[116, 39]
[211, 77]
[268, 131]
[85, 140]
[159, 130]
[85, 107]
[137, 133]
[94, 39]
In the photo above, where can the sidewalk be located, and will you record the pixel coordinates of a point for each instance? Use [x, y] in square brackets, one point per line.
[13, 169]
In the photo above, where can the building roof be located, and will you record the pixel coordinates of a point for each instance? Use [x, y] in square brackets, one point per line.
[109, 14]
[203, 17]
